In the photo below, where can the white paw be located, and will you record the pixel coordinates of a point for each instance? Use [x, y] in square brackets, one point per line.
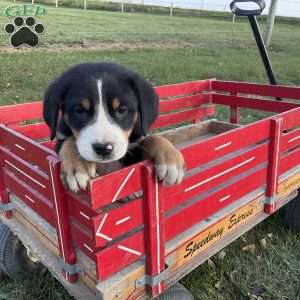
[170, 173]
[78, 177]
[170, 167]
[76, 181]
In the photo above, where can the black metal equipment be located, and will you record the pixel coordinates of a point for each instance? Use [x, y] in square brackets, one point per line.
[258, 7]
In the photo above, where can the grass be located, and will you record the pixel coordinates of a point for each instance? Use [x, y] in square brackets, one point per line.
[166, 50]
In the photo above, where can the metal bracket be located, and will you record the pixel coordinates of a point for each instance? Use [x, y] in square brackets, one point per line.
[6, 207]
[271, 200]
[71, 269]
[152, 280]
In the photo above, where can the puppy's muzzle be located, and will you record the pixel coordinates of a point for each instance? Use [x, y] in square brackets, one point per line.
[103, 150]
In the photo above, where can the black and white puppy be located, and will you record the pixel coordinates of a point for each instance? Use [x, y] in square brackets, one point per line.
[96, 111]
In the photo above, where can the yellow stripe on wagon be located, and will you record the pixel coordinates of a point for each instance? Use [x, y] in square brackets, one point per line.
[289, 185]
[214, 233]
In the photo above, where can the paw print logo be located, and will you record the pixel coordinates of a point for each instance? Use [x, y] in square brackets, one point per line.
[24, 32]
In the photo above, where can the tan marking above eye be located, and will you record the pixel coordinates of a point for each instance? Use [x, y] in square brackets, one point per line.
[116, 103]
[127, 132]
[86, 103]
[75, 133]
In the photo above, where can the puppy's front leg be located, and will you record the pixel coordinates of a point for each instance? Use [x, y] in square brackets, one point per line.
[169, 162]
[75, 171]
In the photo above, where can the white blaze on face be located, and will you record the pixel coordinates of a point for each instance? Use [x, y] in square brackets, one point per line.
[103, 131]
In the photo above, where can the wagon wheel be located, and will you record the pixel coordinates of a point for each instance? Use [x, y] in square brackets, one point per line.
[176, 292]
[292, 213]
[15, 260]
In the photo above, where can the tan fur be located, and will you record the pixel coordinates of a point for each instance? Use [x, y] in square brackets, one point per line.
[127, 132]
[75, 132]
[168, 160]
[75, 171]
[115, 103]
[86, 103]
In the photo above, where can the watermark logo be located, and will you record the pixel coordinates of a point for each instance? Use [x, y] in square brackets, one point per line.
[25, 10]
[24, 30]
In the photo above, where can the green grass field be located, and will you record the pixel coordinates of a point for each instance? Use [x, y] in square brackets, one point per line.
[166, 50]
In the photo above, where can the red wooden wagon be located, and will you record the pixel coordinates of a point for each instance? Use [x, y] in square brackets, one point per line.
[127, 236]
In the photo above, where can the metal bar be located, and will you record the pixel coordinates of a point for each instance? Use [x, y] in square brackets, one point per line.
[262, 49]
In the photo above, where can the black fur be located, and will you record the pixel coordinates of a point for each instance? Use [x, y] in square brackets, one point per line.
[66, 92]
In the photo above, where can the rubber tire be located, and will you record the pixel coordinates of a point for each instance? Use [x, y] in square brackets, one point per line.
[292, 213]
[2, 233]
[176, 292]
[14, 260]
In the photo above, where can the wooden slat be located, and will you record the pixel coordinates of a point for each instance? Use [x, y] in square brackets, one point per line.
[291, 119]
[108, 226]
[252, 103]
[257, 89]
[31, 197]
[289, 161]
[183, 116]
[27, 173]
[25, 148]
[186, 88]
[34, 131]
[213, 176]
[183, 102]
[111, 259]
[218, 146]
[290, 140]
[206, 207]
[108, 188]
[49, 144]
[20, 112]
[80, 211]
[82, 238]
[120, 255]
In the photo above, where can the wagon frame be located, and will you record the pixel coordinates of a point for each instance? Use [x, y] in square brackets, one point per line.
[130, 237]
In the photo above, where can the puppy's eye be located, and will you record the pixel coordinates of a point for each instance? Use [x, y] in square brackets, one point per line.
[122, 110]
[79, 109]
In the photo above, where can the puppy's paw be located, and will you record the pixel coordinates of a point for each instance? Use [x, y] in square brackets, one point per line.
[76, 175]
[169, 162]
[75, 172]
[170, 167]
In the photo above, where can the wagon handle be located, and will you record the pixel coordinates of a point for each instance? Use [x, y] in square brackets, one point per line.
[259, 6]
[251, 14]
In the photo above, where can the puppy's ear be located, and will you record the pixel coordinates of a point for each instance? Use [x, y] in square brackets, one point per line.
[148, 106]
[53, 100]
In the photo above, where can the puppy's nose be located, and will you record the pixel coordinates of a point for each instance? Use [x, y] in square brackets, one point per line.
[103, 149]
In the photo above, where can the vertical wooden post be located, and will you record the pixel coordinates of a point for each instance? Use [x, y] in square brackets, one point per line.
[154, 229]
[56, 3]
[122, 6]
[272, 175]
[85, 4]
[171, 9]
[234, 112]
[62, 218]
[32, 1]
[270, 22]
[4, 197]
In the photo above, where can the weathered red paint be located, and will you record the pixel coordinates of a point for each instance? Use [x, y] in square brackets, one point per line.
[116, 233]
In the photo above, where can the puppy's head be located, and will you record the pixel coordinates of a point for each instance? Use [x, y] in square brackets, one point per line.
[105, 105]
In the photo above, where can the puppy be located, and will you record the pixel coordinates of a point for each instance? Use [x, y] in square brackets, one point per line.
[100, 113]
